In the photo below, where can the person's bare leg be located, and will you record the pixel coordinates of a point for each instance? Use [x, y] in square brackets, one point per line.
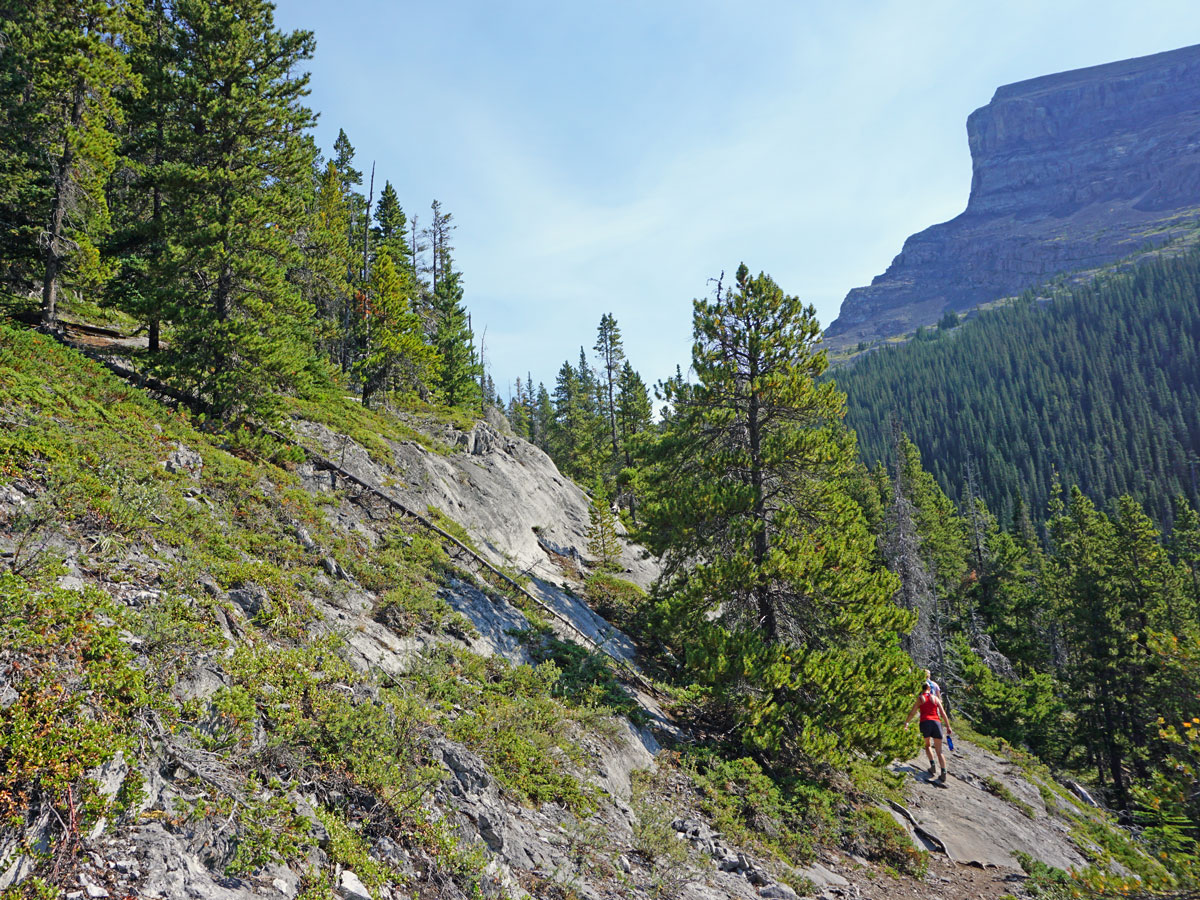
[937, 745]
[929, 753]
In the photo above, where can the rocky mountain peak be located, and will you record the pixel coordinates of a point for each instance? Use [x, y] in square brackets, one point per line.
[1070, 171]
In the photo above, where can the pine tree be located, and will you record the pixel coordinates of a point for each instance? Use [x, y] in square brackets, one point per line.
[66, 58]
[767, 559]
[329, 260]
[24, 190]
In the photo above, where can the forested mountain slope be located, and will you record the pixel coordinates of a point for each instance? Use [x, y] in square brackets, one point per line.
[231, 674]
[1101, 386]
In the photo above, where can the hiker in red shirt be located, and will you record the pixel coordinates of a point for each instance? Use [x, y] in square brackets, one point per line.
[933, 714]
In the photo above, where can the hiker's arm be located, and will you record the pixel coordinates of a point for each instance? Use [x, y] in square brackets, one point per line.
[945, 716]
[912, 712]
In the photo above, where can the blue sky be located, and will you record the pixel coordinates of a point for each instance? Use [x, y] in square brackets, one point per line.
[613, 157]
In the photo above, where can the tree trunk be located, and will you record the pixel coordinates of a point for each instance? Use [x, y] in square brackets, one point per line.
[1113, 750]
[58, 212]
[766, 609]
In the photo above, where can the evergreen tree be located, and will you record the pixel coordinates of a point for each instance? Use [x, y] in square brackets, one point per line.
[1089, 606]
[391, 226]
[343, 162]
[1185, 551]
[237, 204]
[611, 352]
[395, 350]
[564, 431]
[634, 416]
[329, 260]
[519, 410]
[145, 280]
[1101, 385]
[603, 543]
[542, 420]
[767, 560]
[439, 233]
[634, 412]
[458, 369]
[66, 59]
[902, 550]
[24, 189]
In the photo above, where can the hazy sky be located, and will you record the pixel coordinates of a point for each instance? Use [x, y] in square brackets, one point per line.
[614, 156]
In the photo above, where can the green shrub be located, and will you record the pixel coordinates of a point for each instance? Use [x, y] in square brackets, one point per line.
[873, 833]
[1046, 882]
[783, 818]
[77, 695]
[511, 717]
[616, 599]
[585, 677]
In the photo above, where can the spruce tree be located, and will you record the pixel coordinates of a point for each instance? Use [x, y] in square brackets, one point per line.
[603, 543]
[242, 327]
[634, 412]
[1089, 608]
[391, 226]
[542, 423]
[152, 143]
[611, 353]
[518, 410]
[457, 369]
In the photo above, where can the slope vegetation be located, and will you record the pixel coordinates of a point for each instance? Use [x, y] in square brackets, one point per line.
[231, 671]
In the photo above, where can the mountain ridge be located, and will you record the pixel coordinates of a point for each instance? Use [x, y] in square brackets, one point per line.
[1070, 171]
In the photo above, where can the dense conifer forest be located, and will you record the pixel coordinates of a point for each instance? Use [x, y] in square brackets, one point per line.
[1100, 386]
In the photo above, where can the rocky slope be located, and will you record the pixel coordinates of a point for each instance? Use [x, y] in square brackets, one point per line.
[1070, 171]
[222, 678]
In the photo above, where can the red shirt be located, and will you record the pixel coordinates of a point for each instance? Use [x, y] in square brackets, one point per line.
[929, 708]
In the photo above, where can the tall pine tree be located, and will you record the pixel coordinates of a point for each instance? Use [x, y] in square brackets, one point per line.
[767, 559]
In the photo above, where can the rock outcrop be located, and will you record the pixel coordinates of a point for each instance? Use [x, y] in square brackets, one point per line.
[504, 491]
[1070, 171]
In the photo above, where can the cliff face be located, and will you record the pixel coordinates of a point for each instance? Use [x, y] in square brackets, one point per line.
[1070, 171]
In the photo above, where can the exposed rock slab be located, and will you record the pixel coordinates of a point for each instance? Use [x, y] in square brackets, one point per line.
[1070, 171]
[977, 827]
[506, 492]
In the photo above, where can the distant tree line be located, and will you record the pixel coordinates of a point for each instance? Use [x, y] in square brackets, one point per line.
[1099, 387]
[158, 155]
[589, 425]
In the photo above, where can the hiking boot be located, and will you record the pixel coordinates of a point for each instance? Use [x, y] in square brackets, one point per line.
[932, 769]
[941, 779]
